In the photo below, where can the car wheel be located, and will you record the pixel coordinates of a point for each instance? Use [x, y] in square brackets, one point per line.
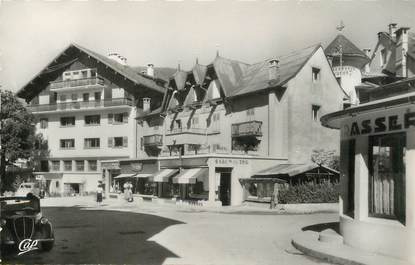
[47, 246]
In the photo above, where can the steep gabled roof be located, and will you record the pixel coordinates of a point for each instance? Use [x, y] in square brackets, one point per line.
[163, 73]
[191, 97]
[72, 51]
[235, 78]
[256, 77]
[179, 79]
[348, 48]
[199, 73]
[230, 73]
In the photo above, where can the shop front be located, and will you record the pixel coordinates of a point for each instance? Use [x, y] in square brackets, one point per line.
[377, 172]
[211, 179]
[135, 172]
[50, 181]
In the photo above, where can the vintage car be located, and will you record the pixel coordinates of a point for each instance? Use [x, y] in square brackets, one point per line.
[29, 187]
[22, 220]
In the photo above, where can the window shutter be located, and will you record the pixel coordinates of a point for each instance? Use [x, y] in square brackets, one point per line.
[110, 142]
[125, 117]
[110, 118]
[141, 143]
[85, 143]
[125, 141]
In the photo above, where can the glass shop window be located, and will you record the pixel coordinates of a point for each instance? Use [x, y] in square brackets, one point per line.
[387, 176]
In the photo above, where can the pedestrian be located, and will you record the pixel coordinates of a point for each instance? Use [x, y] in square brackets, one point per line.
[130, 192]
[99, 194]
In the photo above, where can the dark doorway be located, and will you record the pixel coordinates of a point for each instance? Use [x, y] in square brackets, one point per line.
[225, 188]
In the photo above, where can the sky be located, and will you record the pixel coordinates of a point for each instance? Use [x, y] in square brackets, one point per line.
[167, 33]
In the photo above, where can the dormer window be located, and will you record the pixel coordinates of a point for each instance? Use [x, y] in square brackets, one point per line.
[315, 74]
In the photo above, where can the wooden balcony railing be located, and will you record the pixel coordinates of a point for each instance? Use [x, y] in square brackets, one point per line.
[249, 128]
[93, 81]
[153, 140]
[74, 105]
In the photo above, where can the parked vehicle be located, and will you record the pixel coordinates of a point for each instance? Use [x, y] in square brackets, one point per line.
[22, 219]
[29, 187]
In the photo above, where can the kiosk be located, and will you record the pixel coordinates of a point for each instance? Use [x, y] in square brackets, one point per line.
[377, 171]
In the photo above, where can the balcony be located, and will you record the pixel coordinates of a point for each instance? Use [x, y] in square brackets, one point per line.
[249, 128]
[92, 82]
[153, 140]
[186, 130]
[81, 105]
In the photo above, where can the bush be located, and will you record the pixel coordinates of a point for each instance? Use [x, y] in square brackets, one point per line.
[311, 192]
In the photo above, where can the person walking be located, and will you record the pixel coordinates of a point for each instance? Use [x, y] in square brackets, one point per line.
[99, 194]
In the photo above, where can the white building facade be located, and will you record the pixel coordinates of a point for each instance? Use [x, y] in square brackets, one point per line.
[85, 108]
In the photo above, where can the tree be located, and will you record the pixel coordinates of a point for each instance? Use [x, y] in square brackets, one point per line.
[327, 158]
[40, 152]
[17, 133]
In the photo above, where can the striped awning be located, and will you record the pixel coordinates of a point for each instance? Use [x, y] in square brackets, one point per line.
[189, 176]
[164, 175]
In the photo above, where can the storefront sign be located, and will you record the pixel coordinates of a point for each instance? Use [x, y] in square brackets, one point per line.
[230, 162]
[110, 165]
[380, 124]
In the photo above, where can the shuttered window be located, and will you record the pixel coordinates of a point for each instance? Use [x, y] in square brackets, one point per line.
[387, 176]
[120, 117]
[118, 142]
[91, 143]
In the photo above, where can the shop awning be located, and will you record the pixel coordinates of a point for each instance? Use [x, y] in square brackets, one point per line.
[49, 175]
[142, 175]
[122, 176]
[261, 180]
[286, 169]
[164, 175]
[189, 176]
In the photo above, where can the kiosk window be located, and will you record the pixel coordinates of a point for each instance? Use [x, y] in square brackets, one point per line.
[387, 176]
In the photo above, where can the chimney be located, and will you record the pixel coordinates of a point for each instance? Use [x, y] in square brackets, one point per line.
[392, 29]
[367, 66]
[150, 69]
[146, 104]
[401, 51]
[273, 69]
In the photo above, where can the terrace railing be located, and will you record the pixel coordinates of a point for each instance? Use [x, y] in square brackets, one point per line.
[74, 105]
[92, 81]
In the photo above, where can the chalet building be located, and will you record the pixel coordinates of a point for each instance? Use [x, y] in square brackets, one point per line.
[220, 124]
[377, 170]
[85, 105]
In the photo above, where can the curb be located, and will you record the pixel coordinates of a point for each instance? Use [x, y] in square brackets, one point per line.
[323, 256]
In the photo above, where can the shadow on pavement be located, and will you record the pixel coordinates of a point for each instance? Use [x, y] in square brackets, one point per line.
[100, 236]
[323, 226]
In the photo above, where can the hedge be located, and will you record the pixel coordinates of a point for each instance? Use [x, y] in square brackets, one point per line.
[310, 192]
